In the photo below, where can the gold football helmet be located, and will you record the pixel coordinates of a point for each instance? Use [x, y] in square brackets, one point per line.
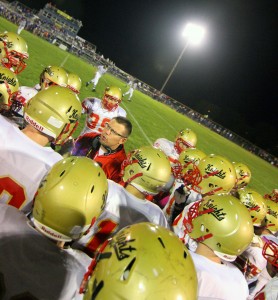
[74, 82]
[271, 217]
[70, 197]
[112, 98]
[53, 75]
[55, 112]
[243, 174]
[189, 157]
[214, 174]
[13, 51]
[143, 261]
[148, 169]
[186, 138]
[270, 250]
[223, 224]
[255, 204]
[8, 88]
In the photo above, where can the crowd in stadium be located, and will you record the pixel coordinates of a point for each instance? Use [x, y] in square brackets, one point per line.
[83, 219]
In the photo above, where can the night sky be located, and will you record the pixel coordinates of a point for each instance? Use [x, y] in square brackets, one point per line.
[232, 76]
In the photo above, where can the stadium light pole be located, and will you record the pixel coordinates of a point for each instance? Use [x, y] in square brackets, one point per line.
[194, 34]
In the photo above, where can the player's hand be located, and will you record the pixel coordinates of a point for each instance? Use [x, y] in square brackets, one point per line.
[181, 194]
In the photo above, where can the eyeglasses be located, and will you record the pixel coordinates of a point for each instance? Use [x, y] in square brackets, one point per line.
[108, 127]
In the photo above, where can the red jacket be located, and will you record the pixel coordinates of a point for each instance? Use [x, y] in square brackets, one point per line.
[88, 145]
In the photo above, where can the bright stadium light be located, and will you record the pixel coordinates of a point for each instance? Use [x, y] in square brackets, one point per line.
[194, 34]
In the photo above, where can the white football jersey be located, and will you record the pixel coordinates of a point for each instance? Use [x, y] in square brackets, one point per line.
[122, 209]
[33, 265]
[167, 147]
[25, 93]
[270, 291]
[255, 263]
[219, 281]
[23, 164]
[101, 70]
[97, 116]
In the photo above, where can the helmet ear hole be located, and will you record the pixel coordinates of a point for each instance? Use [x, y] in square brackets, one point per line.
[127, 271]
[161, 242]
[97, 288]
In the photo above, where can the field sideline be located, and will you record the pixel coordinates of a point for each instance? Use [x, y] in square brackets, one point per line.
[151, 119]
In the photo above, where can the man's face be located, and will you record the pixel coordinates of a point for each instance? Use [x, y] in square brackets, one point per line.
[113, 135]
[109, 102]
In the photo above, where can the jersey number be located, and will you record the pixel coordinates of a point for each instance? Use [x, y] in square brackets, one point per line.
[12, 192]
[94, 120]
[106, 227]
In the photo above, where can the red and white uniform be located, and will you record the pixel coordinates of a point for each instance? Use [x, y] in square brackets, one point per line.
[270, 291]
[97, 116]
[168, 148]
[251, 262]
[219, 281]
[23, 164]
[31, 263]
[25, 93]
[122, 209]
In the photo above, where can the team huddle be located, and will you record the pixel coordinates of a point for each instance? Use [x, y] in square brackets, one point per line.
[82, 219]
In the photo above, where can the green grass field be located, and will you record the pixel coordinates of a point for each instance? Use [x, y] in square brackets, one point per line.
[150, 118]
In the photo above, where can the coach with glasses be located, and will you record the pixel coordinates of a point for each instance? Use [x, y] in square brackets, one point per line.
[106, 148]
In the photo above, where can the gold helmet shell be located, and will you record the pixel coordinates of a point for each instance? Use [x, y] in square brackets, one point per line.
[70, 197]
[13, 51]
[53, 75]
[186, 138]
[148, 169]
[217, 175]
[112, 97]
[74, 82]
[224, 225]
[243, 174]
[143, 261]
[255, 203]
[271, 217]
[189, 157]
[55, 112]
[8, 88]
